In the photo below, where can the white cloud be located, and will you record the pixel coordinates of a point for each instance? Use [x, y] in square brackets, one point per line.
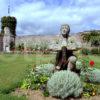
[45, 16]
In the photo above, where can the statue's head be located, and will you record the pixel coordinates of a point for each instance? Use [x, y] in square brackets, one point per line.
[65, 29]
[6, 30]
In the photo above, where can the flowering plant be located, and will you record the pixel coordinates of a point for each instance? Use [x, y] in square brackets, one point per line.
[90, 89]
[91, 63]
[86, 71]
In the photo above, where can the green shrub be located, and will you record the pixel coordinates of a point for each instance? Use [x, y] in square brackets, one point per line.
[95, 50]
[78, 64]
[96, 72]
[85, 51]
[93, 77]
[37, 78]
[46, 69]
[90, 89]
[64, 83]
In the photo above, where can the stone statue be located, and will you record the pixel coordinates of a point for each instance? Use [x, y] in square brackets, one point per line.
[6, 31]
[65, 29]
[62, 59]
[6, 40]
[65, 59]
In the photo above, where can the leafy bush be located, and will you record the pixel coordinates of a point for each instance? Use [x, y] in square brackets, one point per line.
[8, 21]
[94, 77]
[85, 51]
[96, 72]
[64, 84]
[37, 78]
[90, 89]
[34, 81]
[46, 69]
[95, 50]
[78, 64]
[86, 66]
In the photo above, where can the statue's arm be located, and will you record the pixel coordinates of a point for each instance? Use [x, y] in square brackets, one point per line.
[58, 60]
[57, 57]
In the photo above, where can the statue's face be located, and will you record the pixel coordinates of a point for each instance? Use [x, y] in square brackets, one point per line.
[6, 30]
[65, 29]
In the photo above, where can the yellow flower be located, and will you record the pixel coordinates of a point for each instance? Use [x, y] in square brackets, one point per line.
[93, 93]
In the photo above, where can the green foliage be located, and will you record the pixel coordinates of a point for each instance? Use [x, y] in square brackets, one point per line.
[85, 63]
[8, 21]
[86, 70]
[13, 66]
[46, 69]
[7, 90]
[12, 71]
[96, 72]
[46, 93]
[85, 51]
[95, 50]
[37, 78]
[90, 89]
[78, 65]
[64, 83]
[9, 97]
[93, 37]
[88, 73]
[93, 77]
[21, 47]
[25, 84]
[12, 45]
[86, 37]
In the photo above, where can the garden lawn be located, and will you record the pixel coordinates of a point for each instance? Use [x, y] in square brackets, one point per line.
[13, 68]
[9, 97]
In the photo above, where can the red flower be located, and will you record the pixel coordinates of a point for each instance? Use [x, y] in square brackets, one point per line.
[92, 63]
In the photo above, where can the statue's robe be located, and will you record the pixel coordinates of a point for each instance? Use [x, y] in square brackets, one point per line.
[63, 64]
[60, 61]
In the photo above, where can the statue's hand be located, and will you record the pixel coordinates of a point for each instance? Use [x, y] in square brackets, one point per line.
[57, 67]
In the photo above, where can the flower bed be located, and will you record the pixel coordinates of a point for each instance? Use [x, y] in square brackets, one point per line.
[43, 76]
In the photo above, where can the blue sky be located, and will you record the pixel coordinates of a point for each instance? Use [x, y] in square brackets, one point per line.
[46, 16]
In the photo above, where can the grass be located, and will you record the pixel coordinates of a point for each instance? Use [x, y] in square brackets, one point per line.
[9, 97]
[13, 66]
[96, 60]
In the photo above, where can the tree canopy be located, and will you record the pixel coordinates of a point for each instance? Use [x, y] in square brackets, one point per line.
[8, 21]
[92, 36]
